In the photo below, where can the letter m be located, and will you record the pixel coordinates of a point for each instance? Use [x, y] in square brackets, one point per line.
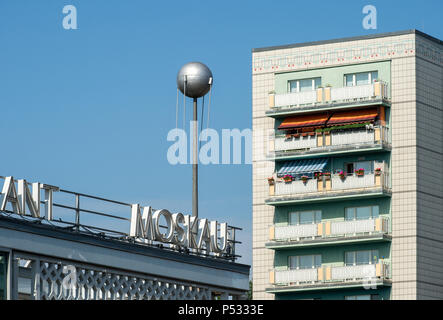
[141, 225]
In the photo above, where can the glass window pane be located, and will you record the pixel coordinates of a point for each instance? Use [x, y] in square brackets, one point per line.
[317, 262]
[349, 214]
[292, 86]
[374, 256]
[374, 76]
[375, 212]
[305, 85]
[362, 257]
[363, 297]
[362, 78]
[293, 262]
[317, 216]
[349, 80]
[306, 217]
[306, 262]
[363, 213]
[317, 82]
[293, 218]
[350, 258]
[366, 165]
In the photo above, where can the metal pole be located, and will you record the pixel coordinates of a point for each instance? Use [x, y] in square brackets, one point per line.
[195, 165]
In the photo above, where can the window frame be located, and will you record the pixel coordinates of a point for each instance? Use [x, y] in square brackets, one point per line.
[355, 212]
[316, 213]
[297, 81]
[354, 77]
[297, 267]
[372, 261]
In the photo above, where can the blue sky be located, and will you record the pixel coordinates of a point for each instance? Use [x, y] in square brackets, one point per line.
[89, 109]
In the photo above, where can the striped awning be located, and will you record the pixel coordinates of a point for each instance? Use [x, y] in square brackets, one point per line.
[303, 166]
[353, 116]
[313, 120]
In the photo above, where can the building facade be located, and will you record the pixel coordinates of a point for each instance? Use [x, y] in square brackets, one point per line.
[348, 168]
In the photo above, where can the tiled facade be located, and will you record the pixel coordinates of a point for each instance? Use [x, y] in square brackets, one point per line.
[416, 166]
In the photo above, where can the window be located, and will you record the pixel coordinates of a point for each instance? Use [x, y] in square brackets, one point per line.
[3, 262]
[305, 262]
[353, 258]
[304, 85]
[358, 79]
[363, 297]
[366, 165]
[304, 217]
[362, 213]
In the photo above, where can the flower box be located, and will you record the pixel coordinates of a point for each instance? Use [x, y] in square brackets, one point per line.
[360, 172]
[342, 175]
[287, 178]
[304, 179]
[377, 171]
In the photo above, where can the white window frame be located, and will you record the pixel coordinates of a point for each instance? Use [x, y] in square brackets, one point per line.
[298, 261]
[355, 211]
[355, 256]
[298, 84]
[354, 77]
[298, 216]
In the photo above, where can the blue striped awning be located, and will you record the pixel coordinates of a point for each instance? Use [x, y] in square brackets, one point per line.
[303, 166]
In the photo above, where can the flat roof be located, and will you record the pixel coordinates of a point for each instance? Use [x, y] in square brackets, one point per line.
[365, 37]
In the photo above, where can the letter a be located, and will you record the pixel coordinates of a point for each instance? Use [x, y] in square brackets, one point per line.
[370, 21]
[70, 21]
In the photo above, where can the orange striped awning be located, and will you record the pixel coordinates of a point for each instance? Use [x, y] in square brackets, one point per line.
[353, 116]
[312, 120]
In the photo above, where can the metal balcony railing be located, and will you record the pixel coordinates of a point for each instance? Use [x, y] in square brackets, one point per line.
[330, 274]
[376, 90]
[328, 229]
[334, 184]
[281, 144]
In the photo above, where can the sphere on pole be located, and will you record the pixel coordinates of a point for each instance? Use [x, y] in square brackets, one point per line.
[197, 77]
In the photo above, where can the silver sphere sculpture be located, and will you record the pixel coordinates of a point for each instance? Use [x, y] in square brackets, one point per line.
[198, 79]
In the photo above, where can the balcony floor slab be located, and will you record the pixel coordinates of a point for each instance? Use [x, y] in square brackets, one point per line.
[330, 285]
[290, 110]
[330, 150]
[330, 241]
[331, 195]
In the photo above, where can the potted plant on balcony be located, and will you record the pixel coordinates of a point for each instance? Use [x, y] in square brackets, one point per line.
[342, 174]
[377, 171]
[287, 178]
[271, 181]
[304, 178]
[327, 175]
[360, 172]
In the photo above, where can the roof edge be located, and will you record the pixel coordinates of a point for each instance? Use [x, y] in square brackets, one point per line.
[346, 39]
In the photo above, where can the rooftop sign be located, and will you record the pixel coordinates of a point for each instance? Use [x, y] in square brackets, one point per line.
[147, 225]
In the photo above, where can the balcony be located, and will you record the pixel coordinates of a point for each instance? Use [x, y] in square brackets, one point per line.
[328, 98]
[330, 277]
[323, 143]
[328, 188]
[328, 232]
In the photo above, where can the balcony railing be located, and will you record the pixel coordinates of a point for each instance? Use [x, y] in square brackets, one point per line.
[376, 90]
[328, 229]
[334, 184]
[330, 274]
[299, 144]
